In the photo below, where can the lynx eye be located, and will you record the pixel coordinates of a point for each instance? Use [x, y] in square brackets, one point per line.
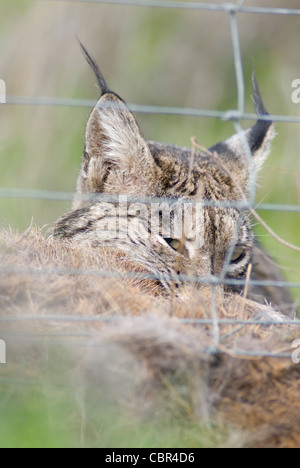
[174, 243]
[238, 255]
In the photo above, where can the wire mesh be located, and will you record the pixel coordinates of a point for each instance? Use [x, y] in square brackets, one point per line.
[226, 7]
[229, 115]
[233, 10]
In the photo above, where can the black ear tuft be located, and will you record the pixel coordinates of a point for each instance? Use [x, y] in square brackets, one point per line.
[257, 139]
[257, 99]
[92, 63]
[259, 131]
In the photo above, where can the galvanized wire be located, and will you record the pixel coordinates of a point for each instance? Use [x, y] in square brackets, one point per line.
[227, 115]
[213, 281]
[56, 196]
[226, 7]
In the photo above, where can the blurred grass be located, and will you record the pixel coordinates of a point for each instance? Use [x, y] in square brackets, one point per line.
[157, 57]
[35, 418]
[30, 420]
[45, 403]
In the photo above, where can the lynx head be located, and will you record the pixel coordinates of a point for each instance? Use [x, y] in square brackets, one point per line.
[200, 191]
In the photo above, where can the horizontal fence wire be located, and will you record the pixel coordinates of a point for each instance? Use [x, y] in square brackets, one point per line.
[95, 319]
[55, 196]
[212, 281]
[227, 115]
[226, 7]
[235, 115]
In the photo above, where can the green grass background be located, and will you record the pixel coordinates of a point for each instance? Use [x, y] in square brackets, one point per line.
[149, 56]
[35, 418]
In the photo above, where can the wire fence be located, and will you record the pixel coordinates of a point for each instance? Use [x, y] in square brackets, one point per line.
[233, 115]
[233, 10]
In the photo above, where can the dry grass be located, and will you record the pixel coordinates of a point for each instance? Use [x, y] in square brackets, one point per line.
[148, 360]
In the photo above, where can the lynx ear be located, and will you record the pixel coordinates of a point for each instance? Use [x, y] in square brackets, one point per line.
[116, 157]
[256, 140]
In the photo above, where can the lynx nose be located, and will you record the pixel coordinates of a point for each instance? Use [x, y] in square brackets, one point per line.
[210, 285]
